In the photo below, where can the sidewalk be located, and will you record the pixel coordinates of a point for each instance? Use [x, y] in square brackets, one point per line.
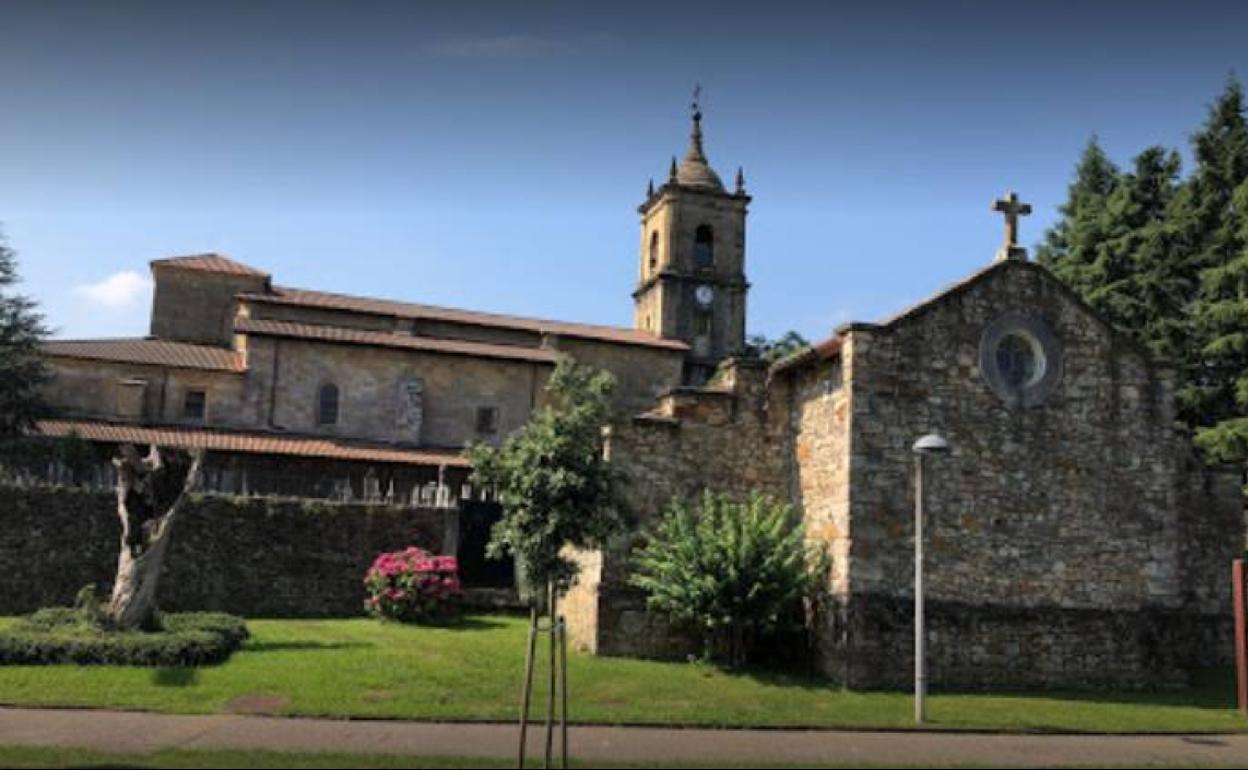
[128, 732]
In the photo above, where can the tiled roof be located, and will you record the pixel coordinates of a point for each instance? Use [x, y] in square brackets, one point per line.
[210, 263]
[326, 300]
[138, 350]
[251, 442]
[347, 336]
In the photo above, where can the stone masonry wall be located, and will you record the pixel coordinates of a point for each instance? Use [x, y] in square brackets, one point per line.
[197, 305]
[1081, 507]
[718, 438]
[251, 556]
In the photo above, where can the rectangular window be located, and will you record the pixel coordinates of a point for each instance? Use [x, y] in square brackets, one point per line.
[195, 405]
[487, 420]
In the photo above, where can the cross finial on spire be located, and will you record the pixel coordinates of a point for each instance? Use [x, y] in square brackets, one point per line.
[695, 137]
[740, 181]
[1012, 208]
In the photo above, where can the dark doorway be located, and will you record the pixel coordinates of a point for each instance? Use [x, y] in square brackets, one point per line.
[476, 570]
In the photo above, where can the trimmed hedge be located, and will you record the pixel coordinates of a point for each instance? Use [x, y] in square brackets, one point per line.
[59, 635]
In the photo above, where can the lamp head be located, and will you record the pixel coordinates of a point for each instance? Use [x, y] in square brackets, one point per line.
[931, 444]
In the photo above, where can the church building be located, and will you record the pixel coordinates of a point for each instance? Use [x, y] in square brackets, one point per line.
[1073, 537]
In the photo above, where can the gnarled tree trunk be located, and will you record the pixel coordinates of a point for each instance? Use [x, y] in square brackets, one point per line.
[150, 493]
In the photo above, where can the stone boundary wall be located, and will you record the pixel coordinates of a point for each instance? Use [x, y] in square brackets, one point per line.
[1008, 647]
[257, 557]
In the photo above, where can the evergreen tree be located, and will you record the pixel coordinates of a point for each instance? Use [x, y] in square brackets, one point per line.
[1223, 318]
[22, 371]
[1069, 247]
[1123, 277]
[1216, 217]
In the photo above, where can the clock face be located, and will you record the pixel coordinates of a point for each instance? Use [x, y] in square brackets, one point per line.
[704, 294]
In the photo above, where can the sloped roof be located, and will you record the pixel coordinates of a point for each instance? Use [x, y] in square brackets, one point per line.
[282, 295]
[209, 263]
[140, 350]
[348, 336]
[831, 347]
[251, 442]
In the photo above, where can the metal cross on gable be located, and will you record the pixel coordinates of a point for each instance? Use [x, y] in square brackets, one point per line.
[1012, 208]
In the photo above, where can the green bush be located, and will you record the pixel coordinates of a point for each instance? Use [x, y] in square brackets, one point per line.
[737, 573]
[61, 635]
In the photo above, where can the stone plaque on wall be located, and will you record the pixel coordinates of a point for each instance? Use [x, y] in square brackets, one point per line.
[411, 411]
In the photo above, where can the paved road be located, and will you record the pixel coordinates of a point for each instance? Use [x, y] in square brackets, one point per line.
[139, 733]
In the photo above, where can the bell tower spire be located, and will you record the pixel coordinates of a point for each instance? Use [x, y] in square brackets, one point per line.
[695, 153]
[692, 284]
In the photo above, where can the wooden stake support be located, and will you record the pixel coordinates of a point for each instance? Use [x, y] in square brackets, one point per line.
[558, 681]
[1239, 596]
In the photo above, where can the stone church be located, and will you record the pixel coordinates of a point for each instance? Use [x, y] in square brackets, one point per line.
[1074, 540]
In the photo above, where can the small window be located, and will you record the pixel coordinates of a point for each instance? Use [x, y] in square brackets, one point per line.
[327, 405]
[703, 247]
[195, 404]
[703, 325]
[654, 251]
[487, 420]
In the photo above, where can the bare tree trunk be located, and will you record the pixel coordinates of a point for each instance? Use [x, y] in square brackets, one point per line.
[150, 494]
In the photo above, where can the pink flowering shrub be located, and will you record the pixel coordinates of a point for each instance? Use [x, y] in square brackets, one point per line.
[413, 586]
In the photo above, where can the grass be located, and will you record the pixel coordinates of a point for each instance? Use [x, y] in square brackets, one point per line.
[363, 668]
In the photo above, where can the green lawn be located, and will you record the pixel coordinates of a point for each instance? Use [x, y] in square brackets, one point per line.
[362, 668]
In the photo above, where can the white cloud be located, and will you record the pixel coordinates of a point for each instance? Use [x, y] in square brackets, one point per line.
[118, 291]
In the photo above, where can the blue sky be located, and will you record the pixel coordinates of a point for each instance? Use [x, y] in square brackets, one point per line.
[492, 155]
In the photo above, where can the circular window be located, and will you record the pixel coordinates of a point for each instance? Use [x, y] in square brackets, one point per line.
[1019, 359]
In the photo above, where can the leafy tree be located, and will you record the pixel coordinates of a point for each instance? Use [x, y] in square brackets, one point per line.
[736, 572]
[555, 487]
[22, 371]
[771, 350]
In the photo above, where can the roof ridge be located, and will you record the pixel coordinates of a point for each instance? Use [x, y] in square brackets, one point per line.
[210, 261]
[406, 308]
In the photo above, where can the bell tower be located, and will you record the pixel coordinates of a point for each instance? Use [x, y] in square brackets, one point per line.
[692, 284]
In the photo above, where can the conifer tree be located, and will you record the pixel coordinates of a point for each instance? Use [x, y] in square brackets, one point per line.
[1217, 393]
[1069, 247]
[1136, 278]
[22, 371]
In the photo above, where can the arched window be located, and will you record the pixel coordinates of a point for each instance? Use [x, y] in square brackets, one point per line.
[327, 405]
[654, 250]
[703, 247]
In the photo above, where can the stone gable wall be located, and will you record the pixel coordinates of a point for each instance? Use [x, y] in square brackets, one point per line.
[255, 557]
[1070, 534]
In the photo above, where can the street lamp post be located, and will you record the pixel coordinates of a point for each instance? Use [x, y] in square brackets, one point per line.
[931, 444]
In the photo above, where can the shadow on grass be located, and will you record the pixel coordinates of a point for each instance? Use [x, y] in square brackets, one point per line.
[168, 676]
[1212, 689]
[303, 646]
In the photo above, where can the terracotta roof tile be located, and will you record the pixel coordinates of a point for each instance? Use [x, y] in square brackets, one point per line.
[326, 300]
[139, 350]
[391, 340]
[210, 263]
[251, 442]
